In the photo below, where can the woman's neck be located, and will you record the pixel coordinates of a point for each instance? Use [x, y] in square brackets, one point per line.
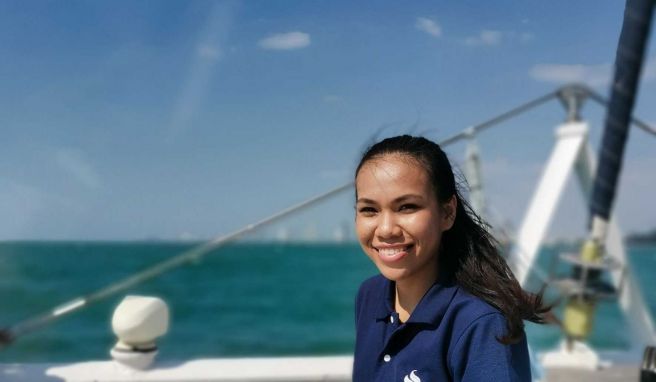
[410, 291]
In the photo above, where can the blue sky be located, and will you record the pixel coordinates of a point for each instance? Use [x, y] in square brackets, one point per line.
[131, 120]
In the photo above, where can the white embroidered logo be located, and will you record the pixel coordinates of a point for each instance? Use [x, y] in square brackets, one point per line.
[412, 377]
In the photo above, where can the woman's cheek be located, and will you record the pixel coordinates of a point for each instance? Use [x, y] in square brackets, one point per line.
[363, 230]
[364, 225]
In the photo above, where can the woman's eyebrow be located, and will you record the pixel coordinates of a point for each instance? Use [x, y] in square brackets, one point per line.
[406, 197]
[400, 199]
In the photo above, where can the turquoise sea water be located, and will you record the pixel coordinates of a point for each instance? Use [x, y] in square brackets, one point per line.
[265, 299]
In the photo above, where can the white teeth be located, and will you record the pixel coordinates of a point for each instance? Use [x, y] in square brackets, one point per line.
[390, 251]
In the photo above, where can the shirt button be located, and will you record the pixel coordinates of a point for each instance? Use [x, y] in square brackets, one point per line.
[392, 319]
[387, 358]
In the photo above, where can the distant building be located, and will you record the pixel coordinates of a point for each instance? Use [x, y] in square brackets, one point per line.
[339, 235]
[282, 234]
[310, 233]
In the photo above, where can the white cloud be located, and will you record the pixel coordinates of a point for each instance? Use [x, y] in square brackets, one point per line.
[75, 164]
[593, 75]
[487, 37]
[285, 41]
[429, 26]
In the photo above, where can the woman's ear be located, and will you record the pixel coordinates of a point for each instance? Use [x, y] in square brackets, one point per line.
[449, 213]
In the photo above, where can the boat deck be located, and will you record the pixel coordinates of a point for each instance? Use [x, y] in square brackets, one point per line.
[615, 373]
[300, 369]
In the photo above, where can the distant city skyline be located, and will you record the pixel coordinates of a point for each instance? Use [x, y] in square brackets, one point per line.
[129, 120]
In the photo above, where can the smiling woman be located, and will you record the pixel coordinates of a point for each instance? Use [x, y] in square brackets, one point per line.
[446, 307]
[400, 224]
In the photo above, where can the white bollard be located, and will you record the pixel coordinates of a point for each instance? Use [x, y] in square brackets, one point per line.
[137, 322]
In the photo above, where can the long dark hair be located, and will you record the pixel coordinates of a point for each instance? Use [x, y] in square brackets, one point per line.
[468, 252]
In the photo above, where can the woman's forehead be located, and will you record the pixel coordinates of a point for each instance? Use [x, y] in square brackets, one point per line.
[393, 159]
[390, 175]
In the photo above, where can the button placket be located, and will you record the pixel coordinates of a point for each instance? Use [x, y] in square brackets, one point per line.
[388, 348]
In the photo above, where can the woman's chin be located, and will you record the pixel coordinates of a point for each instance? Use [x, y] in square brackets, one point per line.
[393, 274]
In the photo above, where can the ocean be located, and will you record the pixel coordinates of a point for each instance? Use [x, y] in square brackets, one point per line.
[243, 300]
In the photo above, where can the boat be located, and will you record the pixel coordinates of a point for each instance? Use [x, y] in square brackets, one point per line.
[139, 320]
[572, 152]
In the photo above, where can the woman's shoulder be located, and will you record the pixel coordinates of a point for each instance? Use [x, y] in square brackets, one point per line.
[475, 349]
[464, 303]
[373, 283]
[371, 296]
[467, 310]
[374, 288]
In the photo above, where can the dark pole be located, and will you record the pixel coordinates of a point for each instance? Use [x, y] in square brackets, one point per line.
[579, 310]
[628, 64]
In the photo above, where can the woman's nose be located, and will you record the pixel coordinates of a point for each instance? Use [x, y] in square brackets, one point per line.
[388, 226]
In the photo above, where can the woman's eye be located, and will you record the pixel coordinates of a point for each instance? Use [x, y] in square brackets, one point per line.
[367, 210]
[408, 207]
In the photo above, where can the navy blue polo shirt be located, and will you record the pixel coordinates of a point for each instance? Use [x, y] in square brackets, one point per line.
[450, 336]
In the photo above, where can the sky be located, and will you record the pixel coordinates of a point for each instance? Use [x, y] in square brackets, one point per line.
[126, 120]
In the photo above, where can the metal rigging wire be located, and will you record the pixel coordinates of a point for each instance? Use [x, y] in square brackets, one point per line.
[598, 98]
[499, 118]
[9, 334]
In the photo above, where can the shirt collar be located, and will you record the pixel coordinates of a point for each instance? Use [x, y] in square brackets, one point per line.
[432, 306]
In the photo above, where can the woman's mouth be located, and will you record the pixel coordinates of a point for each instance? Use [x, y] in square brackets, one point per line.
[393, 254]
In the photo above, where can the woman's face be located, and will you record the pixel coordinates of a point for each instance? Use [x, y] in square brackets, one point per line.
[398, 220]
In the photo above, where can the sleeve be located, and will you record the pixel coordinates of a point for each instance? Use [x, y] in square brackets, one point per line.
[479, 357]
